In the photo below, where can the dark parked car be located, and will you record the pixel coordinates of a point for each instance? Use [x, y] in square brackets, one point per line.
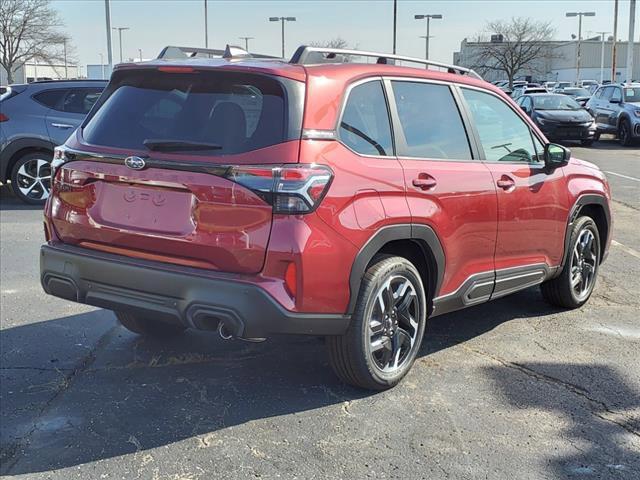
[348, 200]
[35, 118]
[559, 117]
[616, 109]
[579, 94]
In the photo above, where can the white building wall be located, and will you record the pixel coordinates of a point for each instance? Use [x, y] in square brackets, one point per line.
[561, 65]
[98, 72]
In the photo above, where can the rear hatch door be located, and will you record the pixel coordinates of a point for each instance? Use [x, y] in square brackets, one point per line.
[152, 174]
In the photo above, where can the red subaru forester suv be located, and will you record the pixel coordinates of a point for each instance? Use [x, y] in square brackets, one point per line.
[319, 196]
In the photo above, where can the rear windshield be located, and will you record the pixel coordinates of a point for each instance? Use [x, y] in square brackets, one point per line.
[555, 102]
[234, 112]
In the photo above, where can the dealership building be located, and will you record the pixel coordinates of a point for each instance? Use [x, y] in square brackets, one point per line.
[560, 61]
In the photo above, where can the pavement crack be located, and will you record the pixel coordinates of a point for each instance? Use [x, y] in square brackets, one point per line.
[11, 459]
[38, 369]
[626, 205]
[601, 410]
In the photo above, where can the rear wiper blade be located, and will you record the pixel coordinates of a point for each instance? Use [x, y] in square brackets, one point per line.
[179, 145]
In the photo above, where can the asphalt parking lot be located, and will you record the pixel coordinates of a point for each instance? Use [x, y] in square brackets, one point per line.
[512, 389]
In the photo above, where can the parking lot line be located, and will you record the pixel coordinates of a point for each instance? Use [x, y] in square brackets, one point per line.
[624, 248]
[623, 176]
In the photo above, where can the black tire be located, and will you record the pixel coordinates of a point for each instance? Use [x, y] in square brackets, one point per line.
[559, 291]
[148, 326]
[596, 137]
[587, 143]
[32, 164]
[352, 355]
[624, 133]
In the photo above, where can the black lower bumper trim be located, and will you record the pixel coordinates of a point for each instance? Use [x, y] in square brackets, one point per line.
[177, 296]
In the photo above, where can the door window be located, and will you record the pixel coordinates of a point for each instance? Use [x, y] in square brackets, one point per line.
[505, 137]
[365, 125]
[430, 121]
[616, 94]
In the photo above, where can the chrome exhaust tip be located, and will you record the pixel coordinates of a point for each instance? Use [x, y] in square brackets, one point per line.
[224, 333]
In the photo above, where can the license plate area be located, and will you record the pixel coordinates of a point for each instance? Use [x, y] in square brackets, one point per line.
[144, 209]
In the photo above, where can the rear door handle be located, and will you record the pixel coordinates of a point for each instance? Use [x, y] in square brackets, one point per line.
[61, 125]
[424, 182]
[506, 183]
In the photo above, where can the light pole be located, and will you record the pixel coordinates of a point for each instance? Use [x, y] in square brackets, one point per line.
[428, 17]
[395, 24]
[632, 25]
[603, 36]
[120, 29]
[246, 42]
[615, 40]
[101, 66]
[206, 26]
[579, 15]
[282, 19]
[140, 54]
[107, 14]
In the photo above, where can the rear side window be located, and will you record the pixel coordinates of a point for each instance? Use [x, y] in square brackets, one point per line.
[80, 100]
[51, 98]
[365, 125]
[430, 121]
[237, 112]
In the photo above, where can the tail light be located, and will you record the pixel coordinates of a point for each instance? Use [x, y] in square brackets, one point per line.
[291, 189]
[3, 118]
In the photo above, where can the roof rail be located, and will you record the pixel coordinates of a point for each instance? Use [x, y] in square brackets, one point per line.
[304, 55]
[175, 53]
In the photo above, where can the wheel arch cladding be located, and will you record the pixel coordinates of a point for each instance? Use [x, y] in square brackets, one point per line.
[418, 243]
[596, 207]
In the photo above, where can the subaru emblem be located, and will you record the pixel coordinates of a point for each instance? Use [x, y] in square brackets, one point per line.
[135, 163]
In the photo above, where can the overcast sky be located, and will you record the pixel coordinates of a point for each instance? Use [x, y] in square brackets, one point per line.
[364, 24]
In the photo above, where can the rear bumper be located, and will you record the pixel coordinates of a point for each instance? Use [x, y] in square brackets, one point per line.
[185, 296]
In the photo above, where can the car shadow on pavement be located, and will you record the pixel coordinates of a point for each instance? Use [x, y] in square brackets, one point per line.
[81, 388]
[598, 426]
[8, 201]
[451, 329]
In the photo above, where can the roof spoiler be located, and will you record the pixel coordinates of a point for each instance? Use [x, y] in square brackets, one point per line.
[230, 52]
[306, 55]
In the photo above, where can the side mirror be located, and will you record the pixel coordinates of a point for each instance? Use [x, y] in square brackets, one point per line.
[525, 109]
[556, 156]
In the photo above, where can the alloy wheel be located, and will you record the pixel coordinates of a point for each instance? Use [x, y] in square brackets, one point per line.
[393, 326]
[584, 262]
[33, 179]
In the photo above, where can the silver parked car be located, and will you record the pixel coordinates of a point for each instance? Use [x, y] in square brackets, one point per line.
[34, 118]
[616, 108]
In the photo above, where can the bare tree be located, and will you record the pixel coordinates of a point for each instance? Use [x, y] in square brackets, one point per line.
[29, 31]
[337, 42]
[516, 45]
